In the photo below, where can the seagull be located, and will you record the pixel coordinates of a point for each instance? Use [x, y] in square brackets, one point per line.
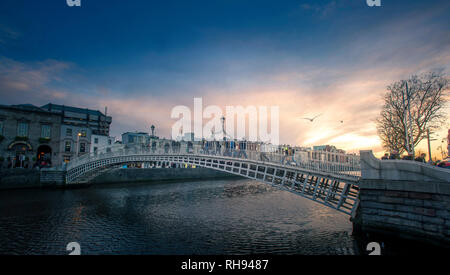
[311, 119]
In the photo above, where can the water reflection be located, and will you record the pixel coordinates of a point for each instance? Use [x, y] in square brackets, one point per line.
[207, 217]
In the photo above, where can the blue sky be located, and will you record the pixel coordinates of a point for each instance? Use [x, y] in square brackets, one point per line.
[141, 58]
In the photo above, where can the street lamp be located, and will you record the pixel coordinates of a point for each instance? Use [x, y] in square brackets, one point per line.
[429, 145]
[78, 143]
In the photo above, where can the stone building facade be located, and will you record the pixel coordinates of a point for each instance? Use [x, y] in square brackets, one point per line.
[101, 143]
[48, 135]
[78, 126]
[29, 135]
[135, 138]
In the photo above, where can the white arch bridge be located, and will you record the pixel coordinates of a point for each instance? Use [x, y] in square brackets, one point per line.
[331, 183]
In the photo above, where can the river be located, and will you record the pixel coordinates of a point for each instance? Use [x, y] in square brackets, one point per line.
[197, 217]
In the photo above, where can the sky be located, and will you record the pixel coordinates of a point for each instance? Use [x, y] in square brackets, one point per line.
[143, 58]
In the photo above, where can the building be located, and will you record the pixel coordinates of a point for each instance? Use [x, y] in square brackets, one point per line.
[328, 148]
[77, 127]
[140, 137]
[135, 138]
[29, 136]
[102, 143]
[329, 153]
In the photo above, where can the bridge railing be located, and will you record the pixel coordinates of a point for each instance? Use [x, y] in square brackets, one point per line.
[331, 162]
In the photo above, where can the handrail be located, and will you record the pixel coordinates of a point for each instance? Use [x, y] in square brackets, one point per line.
[343, 164]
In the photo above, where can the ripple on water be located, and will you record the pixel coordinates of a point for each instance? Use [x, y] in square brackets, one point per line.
[208, 217]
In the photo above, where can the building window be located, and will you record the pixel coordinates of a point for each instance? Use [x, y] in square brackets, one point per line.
[68, 147]
[130, 139]
[22, 129]
[108, 150]
[69, 132]
[82, 147]
[96, 140]
[46, 131]
[95, 149]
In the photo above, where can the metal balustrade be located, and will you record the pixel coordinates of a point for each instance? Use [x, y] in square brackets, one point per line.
[329, 183]
[351, 167]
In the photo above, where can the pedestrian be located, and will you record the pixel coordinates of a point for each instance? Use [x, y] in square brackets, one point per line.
[421, 158]
[408, 157]
[394, 155]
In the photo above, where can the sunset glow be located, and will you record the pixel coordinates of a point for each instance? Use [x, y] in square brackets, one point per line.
[342, 74]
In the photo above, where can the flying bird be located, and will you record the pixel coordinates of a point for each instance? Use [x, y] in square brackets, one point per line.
[311, 119]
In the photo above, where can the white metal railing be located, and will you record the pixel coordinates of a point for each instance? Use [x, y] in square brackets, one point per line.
[341, 164]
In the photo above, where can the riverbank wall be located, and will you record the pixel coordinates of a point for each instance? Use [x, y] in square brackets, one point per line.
[19, 179]
[52, 178]
[404, 199]
[159, 174]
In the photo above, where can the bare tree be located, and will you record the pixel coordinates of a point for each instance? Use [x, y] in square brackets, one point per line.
[410, 108]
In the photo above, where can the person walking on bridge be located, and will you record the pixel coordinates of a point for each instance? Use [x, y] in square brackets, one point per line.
[234, 149]
[205, 147]
[285, 153]
[394, 155]
[243, 149]
[292, 155]
[263, 148]
[218, 148]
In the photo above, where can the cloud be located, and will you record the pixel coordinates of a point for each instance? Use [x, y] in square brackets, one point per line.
[31, 81]
[8, 34]
[320, 10]
[354, 98]
[343, 77]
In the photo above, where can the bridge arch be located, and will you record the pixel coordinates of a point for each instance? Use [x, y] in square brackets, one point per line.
[335, 191]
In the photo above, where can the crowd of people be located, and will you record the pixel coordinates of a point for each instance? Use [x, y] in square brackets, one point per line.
[239, 149]
[394, 155]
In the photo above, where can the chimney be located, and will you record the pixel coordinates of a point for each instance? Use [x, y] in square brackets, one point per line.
[106, 111]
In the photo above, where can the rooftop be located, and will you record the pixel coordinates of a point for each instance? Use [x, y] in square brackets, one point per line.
[51, 106]
[135, 133]
[25, 107]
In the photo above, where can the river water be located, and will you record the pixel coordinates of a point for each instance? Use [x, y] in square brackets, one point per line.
[204, 217]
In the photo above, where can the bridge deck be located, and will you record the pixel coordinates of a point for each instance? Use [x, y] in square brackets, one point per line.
[333, 185]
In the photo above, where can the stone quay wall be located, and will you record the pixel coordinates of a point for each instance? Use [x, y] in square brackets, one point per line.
[19, 178]
[54, 178]
[31, 178]
[405, 199]
[131, 175]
